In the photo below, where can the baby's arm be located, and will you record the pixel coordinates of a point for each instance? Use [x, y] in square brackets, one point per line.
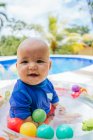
[53, 109]
[59, 108]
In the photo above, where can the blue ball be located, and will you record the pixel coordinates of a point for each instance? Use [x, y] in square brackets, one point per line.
[45, 131]
[64, 131]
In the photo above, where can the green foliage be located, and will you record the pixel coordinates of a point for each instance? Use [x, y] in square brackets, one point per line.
[60, 41]
[88, 39]
[78, 29]
[52, 25]
[89, 43]
[36, 27]
[9, 45]
[2, 4]
[65, 49]
[73, 34]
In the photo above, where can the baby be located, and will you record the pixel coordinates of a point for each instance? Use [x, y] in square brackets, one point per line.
[33, 90]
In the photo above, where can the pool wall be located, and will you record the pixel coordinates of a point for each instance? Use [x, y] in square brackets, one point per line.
[8, 61]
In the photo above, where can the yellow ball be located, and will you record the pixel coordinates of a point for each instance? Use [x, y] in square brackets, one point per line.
[28, 129]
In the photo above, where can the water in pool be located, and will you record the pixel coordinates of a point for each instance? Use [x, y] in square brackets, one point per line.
[59, 65]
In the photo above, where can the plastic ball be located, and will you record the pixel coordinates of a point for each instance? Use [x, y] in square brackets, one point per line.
[64, 131]
[1, 100]
[2, 69]
[13, 69]
[45, 131]
[75, 88]
[39, 115]
[75, 94]
[28, 129]
[87, 125]
[2, 138]
[23, 139]
[14, 124]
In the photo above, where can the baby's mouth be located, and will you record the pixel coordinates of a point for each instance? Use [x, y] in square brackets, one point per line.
[33, 75]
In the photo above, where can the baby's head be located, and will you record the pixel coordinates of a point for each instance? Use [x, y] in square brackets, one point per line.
[33, 62]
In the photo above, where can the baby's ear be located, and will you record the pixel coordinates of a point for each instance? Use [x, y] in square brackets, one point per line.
[50, 63]
[16, 65]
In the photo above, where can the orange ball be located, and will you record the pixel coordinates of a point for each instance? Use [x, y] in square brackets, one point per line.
[28, 129]
[2, 138]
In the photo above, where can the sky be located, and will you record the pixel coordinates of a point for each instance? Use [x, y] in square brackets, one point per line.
[35, 11]
[29, 10]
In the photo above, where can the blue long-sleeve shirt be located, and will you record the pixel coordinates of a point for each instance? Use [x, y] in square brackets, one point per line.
[26, 98]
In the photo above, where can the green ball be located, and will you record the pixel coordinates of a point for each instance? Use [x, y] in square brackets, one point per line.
[87, 125]
[39, 115]
[64, 131]
[45, 131]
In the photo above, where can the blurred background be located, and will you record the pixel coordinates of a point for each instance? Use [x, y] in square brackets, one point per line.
[67, 26]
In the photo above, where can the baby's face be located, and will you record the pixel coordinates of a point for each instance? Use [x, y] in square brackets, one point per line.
[33, 61]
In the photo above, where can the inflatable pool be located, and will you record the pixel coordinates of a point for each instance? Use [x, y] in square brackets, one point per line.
[75, 103]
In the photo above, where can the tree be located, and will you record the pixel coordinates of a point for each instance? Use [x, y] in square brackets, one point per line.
[17, 26]
[3, 16]
[52, 27]
[90, 6]
[78, 29]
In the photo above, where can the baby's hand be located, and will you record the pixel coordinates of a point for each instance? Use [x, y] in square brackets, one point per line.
[60, 110]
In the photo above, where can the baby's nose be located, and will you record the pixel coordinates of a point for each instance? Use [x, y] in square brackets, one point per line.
[32, 65]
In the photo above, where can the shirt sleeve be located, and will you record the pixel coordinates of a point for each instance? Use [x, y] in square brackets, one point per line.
[20, 104]
[55, 98]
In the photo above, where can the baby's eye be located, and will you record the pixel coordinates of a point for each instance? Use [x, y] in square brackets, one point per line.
[24, 62]
[40, 61]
